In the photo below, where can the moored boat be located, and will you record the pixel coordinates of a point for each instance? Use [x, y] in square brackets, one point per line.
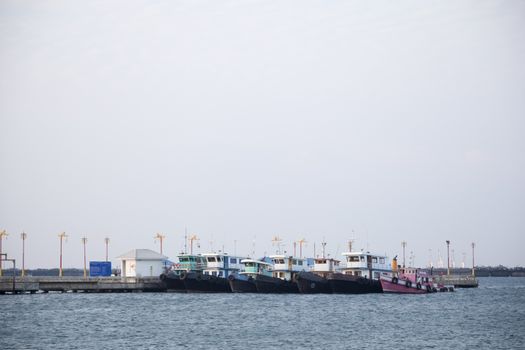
[283, 274]
[244, 281]
[360, 275]
[214, 278]
[314, 281]
[186, 263]
[409, 280]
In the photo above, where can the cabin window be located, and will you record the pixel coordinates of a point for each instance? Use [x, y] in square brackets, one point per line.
[357, 273]
[233, 261]
[183, 260]
[362, 258]
[249, 264]
[374, 259]
[211, 259]
[352, 259]
[219, 259]
[278, 261]
[300, 263]
[381, 260]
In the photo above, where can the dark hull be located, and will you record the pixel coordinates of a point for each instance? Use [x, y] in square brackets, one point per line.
[196, 282]
[173, 282]
[242, 284]
[266, 284]
[310, 283]
[348, 284]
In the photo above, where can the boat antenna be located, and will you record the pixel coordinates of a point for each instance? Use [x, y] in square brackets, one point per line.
[185, 240]
[253, 246]
[404, 245]
[324, 245]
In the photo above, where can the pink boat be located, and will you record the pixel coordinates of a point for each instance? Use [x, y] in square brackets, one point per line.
[409, 280]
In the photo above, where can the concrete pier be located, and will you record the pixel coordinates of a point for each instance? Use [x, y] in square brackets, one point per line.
[80, 284]
[459, 281]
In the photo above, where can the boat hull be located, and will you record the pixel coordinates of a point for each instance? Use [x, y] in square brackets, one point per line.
[197, 282]
[311, 283]
[348, 284]
[402, 287]
[242, 284]
[267, 284]
[173, 282]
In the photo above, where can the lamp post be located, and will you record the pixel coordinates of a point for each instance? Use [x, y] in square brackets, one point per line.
[61, 236]
[84, 241]
[2, 235]
[23, 235]
[473, 245]
[448, 258]
[106, 241]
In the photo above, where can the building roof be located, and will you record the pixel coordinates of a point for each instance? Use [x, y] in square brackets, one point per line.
[142, 254]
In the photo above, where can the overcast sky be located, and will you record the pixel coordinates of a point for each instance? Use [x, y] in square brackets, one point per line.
[380, 121]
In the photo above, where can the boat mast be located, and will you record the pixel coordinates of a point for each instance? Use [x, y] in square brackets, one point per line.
[185, 240]
[473, 245]
[404, 245]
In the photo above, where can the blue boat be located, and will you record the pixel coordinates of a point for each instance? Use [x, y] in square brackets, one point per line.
[213, 278]
[186, 263]
[244, 281]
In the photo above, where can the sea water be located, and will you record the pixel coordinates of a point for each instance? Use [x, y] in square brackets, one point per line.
[489, 317]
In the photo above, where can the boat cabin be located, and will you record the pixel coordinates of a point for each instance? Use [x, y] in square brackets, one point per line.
[188, 262]
[285, 266]
[221, 264]
[325, 265]
[413, 275]
[365, 264]
[256, 267]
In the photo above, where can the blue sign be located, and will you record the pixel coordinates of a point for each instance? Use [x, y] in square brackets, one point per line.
[99, 268]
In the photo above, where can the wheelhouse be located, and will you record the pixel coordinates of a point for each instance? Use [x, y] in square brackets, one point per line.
[365, 264]
[222, 265]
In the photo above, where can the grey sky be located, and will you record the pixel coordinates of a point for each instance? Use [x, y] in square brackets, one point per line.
[239, 119]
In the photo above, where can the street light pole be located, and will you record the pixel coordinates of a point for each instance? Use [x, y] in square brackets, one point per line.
[448, 258]
[106, 240]
[23, 235]
[61, 236]
[2, 235]
[84, 241]
[473, 245]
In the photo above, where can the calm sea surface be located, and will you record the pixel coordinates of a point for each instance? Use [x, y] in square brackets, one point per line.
[489, 317]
